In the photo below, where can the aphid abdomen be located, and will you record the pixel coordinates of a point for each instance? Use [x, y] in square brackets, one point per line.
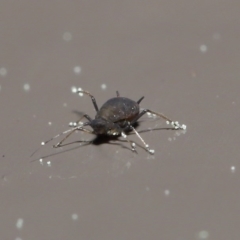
[118, 109]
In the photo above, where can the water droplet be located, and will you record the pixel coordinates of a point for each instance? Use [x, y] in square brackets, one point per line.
[103, 86]
[203, 48]
[19, 223]
[77, 70]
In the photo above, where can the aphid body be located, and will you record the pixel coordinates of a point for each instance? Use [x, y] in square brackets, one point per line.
[116, 117]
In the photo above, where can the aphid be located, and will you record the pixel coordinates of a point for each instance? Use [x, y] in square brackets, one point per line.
[116, 117]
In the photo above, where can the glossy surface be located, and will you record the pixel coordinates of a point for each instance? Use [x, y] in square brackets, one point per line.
[183, 56]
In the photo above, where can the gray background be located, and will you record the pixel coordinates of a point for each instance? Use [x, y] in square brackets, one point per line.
[183, 56]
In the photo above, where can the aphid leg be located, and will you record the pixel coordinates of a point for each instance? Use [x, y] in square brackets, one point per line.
[175, 124]
[117, 92]
[140, 100]
[151, 151]
[62, 133]
[132, 144]
[79, 90]
[70, 133]
[78, 122]
[58, 135]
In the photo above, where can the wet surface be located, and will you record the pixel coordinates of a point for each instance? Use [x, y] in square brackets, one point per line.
[183, 57]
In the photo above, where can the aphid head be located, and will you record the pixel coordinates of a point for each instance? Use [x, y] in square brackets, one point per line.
[102, 126]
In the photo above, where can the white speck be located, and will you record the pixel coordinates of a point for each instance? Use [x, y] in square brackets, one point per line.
[41, 160]
[42, 143]
[203, 48]
[233, 168]
[74, 216]
[166, 192]
[49, 163]
[203, 235]
[133, 145]
[50, 123]
[149, 114]
[77, 70]
[65, 104]
[73, 89]
[26, 87]
[167, 122]
[79, 92]
[19, 223]
[72, 124]
[103, 86]
[184, 127]
[152, 151]
[169, 139]
[124, 135]
[67, 36]
[147, 146]
[3, 71]
[80, 123]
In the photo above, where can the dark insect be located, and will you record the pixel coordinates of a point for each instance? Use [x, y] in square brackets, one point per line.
[116, 117]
